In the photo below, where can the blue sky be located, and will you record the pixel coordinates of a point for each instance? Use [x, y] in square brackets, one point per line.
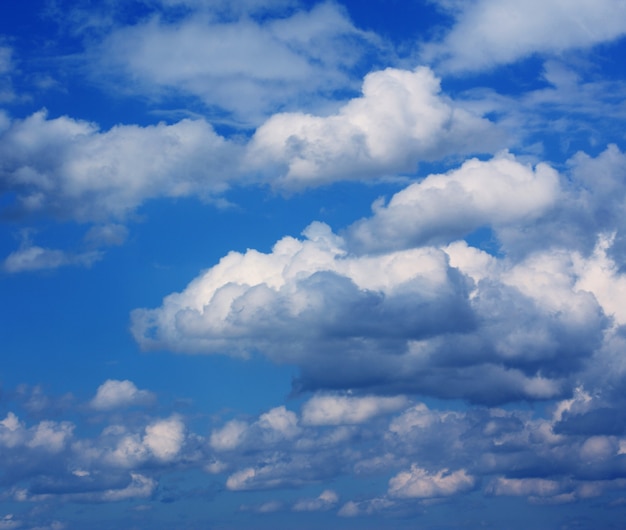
[280, 264]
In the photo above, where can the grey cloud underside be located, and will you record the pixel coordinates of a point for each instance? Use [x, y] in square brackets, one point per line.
[449, 321]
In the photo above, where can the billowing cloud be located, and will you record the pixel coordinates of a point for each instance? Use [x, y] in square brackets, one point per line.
[401, 118]
[488, 33]
[396, 304]
[70, 169]
[500, 191]
[114, 394]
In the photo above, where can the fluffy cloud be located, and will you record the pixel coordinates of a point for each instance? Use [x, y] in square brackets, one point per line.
[114, 394]
[420, 484]
[272, 427]
[165, 438]
[70, 169]
[500, 191]
[429, 454]
[401, 118]
[493, 32]
[448, 320]
[244, 67]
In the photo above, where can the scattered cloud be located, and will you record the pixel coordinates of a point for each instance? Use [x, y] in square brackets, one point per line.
[113, 394]
[489, 33]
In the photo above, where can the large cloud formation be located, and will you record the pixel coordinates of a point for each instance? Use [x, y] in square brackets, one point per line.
[384, 308]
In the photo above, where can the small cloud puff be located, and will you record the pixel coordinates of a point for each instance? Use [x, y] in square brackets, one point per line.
[418, 483]
[326, 500]
[113, 394]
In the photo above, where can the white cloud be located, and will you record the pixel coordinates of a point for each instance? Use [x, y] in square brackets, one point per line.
[162, 441]
[418, 483]
[70, 169]
[241, 297]
[341, 410]
[51, 436]
[281, 421]
[326, 500]
[229, 436]
[48, 436]
[164, 438]
[525, 487]
[33, 258]
[500, 191]
[114, 394]
[407, 319]
[272, 427]
[240, 479]
[492, 32]
[140, 487]
[600, 275]
[242, 66]
[401, 118]
[12, 432]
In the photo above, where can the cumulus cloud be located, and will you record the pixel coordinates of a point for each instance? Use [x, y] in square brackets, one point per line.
[272, 427]
[488, 33]
[165, 438]
[421, 484]
[500, 191]
[114, 394]
[400, 119]
[338, 410]
[397, 304]
[68, 168]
